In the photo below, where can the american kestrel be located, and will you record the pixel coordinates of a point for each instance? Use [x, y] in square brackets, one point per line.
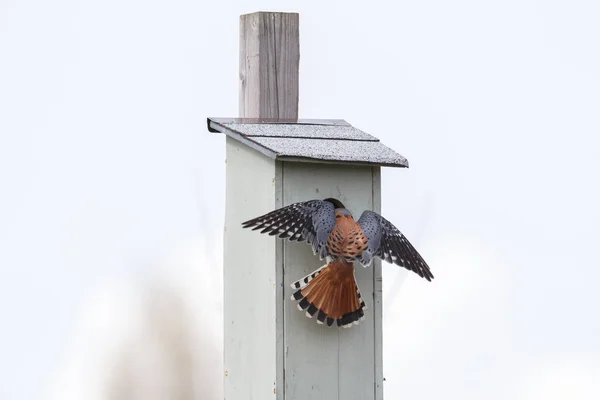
[331, 292]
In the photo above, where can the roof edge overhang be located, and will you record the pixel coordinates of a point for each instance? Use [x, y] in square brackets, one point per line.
[219, 125]
[213, 125]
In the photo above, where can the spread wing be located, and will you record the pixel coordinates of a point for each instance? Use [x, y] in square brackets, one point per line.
[311, 221]
[388, 243]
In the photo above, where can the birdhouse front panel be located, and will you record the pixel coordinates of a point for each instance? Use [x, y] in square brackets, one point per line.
[318, 358]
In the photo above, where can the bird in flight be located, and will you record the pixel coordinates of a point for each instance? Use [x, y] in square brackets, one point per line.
[331, 292]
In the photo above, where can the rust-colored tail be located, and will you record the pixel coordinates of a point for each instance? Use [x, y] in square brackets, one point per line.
[331, 293]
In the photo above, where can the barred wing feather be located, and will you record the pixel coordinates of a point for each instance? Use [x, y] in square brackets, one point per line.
[311, 221]
[388, 243]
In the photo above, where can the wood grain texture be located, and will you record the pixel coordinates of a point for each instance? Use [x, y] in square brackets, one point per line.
[377, 295]
[279, 294]
[250, 276]
[269, 65]
[322, 362]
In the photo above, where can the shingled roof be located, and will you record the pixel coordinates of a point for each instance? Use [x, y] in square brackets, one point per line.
[314, 140]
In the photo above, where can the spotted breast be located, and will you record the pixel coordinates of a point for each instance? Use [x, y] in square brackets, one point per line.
[347, 239]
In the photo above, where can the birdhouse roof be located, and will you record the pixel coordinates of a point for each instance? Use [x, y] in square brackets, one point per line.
[308, 140]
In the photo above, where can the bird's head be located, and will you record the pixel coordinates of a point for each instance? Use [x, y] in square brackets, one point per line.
[335, 202]
[342, 212]
[340, 209]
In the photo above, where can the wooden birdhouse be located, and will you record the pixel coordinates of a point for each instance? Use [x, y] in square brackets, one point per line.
[271, 350]
[269, 345]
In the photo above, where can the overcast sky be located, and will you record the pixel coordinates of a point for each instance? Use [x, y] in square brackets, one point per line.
[106, 167]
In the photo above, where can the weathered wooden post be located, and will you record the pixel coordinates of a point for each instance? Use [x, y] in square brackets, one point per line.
[273, 159]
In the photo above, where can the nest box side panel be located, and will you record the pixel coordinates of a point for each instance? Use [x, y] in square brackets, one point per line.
[250, 277]
[329, 362]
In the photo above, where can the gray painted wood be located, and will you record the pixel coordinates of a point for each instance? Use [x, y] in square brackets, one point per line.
[269, 65]
[271, 349]
[279, 294]
[322, 362]
[378, 296]
[250, 278]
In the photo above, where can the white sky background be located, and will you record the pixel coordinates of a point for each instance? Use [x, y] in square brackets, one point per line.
[106, 169]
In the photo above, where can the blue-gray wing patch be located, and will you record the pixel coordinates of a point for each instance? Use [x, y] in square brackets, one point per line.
[388, 243]
[311, 221]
